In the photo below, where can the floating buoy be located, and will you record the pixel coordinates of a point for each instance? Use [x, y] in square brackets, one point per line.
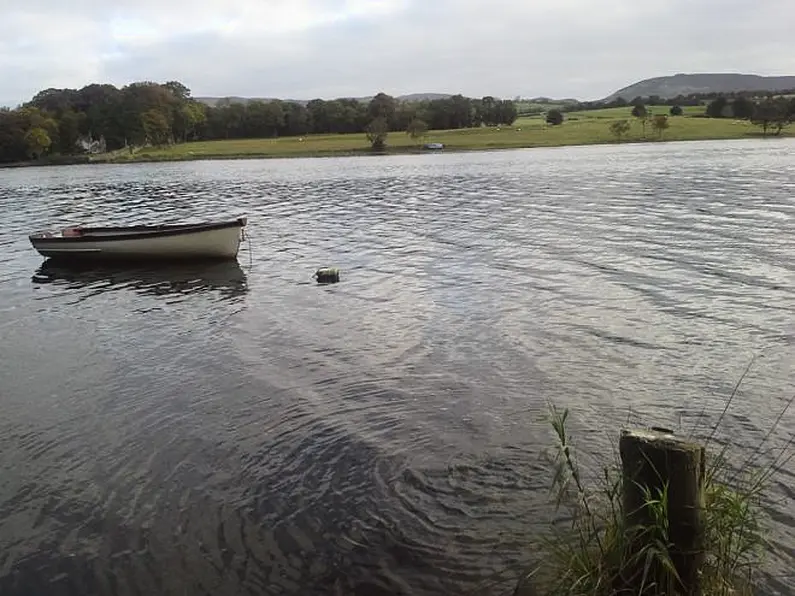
[327, 275]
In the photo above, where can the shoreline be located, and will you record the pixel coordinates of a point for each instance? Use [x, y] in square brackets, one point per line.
[146, 156]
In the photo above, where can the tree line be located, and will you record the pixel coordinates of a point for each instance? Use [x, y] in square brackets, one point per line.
[681, 100]
[769, 111]
[102, 117]
[772, 113]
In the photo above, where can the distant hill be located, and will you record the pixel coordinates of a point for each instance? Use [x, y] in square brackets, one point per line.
[213, 101]
[684, 84]
[422, 96]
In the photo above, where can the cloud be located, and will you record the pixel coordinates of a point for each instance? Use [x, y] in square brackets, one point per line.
[316, 48]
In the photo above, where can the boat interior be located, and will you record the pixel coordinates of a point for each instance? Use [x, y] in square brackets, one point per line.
[95, 232]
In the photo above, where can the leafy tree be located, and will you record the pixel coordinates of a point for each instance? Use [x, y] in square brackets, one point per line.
[178, 90]
[275, 114]
[318, 113]
[461, 111]
[676, 110]
[620, 128]
[228, 121]
[456, 111]
[103, 109]
[406, 112]
[382, 106]
[351, 115]
[506, 112]
[377, 132]
[660, 123]
[742, 108]
[142, 98]
[338, 116]
[784, 111]
[491, 111]
[13, 146]
[33, 118]
[764, 115]
[263, 119]
[296, 119]
[478, 115]
[157, 130]
[54, 101]
[717, 107]
[640, 112]
[38, 142]
[438, 114]
[486, 111]
[554, 117]
[189, 119]
[417, 128]
[772, 114]
[215, 126]
[69, 131]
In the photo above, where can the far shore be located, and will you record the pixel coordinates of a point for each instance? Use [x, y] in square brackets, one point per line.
[579, 129]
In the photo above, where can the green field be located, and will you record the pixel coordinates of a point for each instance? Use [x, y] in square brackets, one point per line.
[579, 128]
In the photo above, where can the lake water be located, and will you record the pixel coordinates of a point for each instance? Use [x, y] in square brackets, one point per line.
[239, 429]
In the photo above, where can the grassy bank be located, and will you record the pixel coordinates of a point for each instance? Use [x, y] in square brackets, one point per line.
[579, 128]
[49, 160]
[593, 549]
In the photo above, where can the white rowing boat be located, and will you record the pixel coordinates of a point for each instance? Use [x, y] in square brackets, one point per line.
[211, 240]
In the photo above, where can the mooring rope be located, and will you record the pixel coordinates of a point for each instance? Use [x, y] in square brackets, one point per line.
[250, 257]
[245, 237]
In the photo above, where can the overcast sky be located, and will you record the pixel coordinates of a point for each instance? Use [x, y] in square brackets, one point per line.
[331, 48]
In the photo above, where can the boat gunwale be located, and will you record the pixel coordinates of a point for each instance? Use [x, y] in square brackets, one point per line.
[139, 232]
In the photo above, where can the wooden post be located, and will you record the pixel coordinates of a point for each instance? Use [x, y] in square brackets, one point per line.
[656, 461]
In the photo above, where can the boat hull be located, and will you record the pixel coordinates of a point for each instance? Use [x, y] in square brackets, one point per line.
[211, 241]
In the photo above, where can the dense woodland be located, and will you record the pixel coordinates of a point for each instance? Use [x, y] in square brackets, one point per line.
[69, 121]
[98, 118]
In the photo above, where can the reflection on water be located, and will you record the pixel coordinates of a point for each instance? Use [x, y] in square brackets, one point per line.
[226, 278]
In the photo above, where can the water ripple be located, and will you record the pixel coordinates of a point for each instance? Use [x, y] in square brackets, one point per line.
[239, 429]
